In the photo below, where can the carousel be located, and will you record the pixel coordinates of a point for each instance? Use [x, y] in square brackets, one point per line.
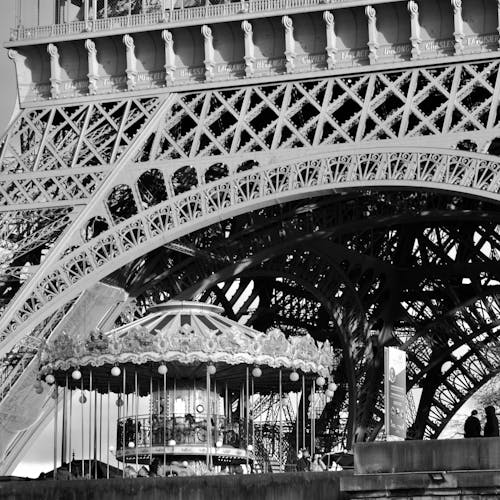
[185, 385]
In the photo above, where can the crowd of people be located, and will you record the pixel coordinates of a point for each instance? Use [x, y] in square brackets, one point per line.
[304, 462]
[472, 426]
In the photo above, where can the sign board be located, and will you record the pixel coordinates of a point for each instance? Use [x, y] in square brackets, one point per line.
[395, 393]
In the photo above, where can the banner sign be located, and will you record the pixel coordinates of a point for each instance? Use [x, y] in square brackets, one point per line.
[395, 393]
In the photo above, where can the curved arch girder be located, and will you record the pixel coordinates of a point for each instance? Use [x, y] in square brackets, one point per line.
[463, 173]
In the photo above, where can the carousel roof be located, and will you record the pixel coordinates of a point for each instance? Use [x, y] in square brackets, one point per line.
[187, 334]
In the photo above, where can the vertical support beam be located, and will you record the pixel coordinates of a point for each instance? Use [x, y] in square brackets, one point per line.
[249, 48]
[94, 9]
[131, 62]
[93, 74]
[168, 41]
[105, 13]
[55, 71]
[415, 29]
[331, 39]
[371, 14]
[86, 10]
[209, 60]
[459, 26]
[289, 43]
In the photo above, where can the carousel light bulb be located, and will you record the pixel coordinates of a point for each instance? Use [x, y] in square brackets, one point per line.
[256, 372]
[50, 379]
[115, 371]
[119, 402]
[131, 444]
[218, 444]
[329, 393]
[211, 369]
[320, 381]
[310, 398]
[294, 376]
[185, 463]
[82, 399]
[111, 448]
[250, 447]
[172, 442]
[162, 369]
[332, 386]
[76, 375]
[39, 389]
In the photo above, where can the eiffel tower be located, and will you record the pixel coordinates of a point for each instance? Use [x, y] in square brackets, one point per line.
[328, 167]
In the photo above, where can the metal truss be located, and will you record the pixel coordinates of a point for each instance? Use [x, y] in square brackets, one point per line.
[286, 187]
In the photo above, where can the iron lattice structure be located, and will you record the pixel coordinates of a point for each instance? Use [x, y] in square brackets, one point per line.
[360, 207]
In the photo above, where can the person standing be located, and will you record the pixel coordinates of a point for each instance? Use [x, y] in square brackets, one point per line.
[303, 463]
[472, 426]
[491, 425]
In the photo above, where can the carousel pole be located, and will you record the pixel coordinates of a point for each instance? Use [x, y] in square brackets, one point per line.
[227, 413]
[280, 442]
[100, 427]
[150, 420]
[253, 419]
[297, 424]
[247, 413]
[123, 420]
[303, 412]
[136, 397]
[107, 435]
[311, 406]
[82, 400]
[95, 434]
[70, 428]
[207, 389]
[90, 425]
[56, 401]
[64, 429]
[164, 421]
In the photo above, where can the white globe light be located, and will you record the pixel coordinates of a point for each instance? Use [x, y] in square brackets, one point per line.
[211, 369]
[119, 402]
[250, 447]
[131, 444]
[82, 399]
[162, 369]
[294, 376]
[172, 442]
[329, 393]
[39, 389]
[115, 371]
[76, 375]
[184, 463]
[310, 398]
[332, 386]
[111, 448]
[320, 381]
[218, 444]
[50, 379]
[256, 372]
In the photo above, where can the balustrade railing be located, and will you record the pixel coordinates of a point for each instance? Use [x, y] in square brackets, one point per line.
[176, 13]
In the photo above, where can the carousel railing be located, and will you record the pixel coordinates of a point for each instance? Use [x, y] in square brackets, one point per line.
[146, 431]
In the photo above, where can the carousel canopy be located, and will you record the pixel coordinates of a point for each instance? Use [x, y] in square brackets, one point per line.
[186, 337]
